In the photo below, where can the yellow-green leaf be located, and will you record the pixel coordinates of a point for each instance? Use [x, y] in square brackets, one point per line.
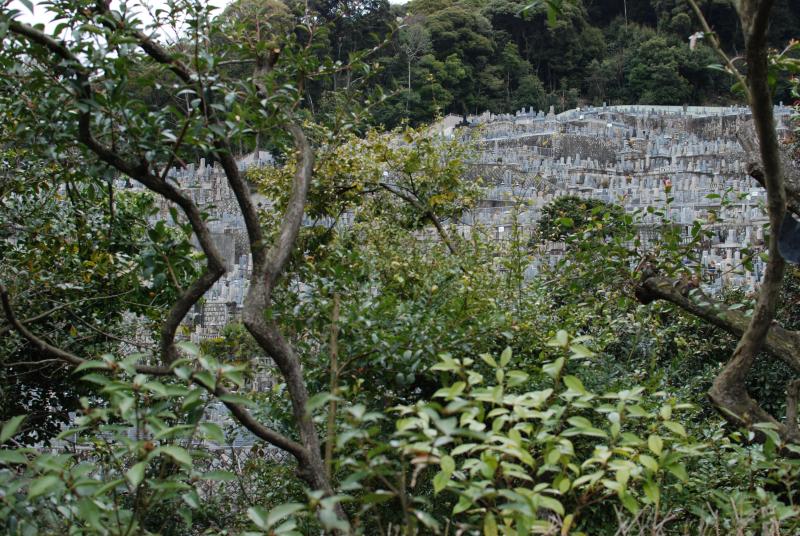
[655, 443]
[489, 525]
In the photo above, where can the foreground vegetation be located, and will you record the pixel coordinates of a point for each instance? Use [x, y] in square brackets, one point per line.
[423, 381]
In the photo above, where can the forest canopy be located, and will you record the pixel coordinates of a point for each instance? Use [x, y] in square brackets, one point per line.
[466, 57]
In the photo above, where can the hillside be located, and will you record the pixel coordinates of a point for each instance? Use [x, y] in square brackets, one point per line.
[468, 56]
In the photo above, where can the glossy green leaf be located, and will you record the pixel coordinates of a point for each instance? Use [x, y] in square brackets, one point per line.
[10, 427]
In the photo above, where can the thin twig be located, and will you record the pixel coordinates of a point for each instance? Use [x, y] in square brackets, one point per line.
[712, 37]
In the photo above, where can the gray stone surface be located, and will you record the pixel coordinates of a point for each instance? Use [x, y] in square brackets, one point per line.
[620, 154]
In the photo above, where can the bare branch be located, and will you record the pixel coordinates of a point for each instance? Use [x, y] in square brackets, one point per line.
[53, 351]
[56, 47]
[5, 329]
[241, 191]
[443, 234]
[712, 37]
[413, 201]
[782, 343]
[429, 214]
[280, 251]
[245, 61]
[242, 415]
[259, 430]
[333, 350]
[105, 333]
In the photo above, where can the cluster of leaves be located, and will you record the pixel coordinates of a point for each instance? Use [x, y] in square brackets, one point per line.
[486, 454]
[572, 215]
[473, 445]
[73, 249]
[402, 174]
[476, 444]
[514, 458]
[404, 302]
[134, 464]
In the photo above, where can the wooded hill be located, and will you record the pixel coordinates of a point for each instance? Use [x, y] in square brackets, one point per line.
[467, 56]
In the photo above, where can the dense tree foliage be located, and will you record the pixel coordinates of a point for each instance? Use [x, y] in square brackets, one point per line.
[466, 57]
[502, 55]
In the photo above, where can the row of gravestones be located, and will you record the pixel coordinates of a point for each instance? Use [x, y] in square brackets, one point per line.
[697, 167]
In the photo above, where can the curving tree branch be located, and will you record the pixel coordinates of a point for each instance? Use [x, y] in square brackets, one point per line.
[728, 391]
[242, 415]
[266, 331]
[780, 342]
[268, 264]
[428, 214]
[139, 171]
[53, 351]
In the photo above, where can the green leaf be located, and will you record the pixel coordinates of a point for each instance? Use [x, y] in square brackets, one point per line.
[649, 462]
[580, 351]
[238, 399]
[580, 422]
[12, 456]
[135, 474]
[574, 384]
[191, 499]
[489, 525]
[551, 504]
[489, 360]
[213, 432]
[102, 490]
[223, 476]
[91, 364]
[679, 471]
[655, 443]
[427, 520]
[448, 464]
[287, 528]
[675, 427]
[258, 516]
[190, 348]
[282, 511]
[561, 339]
[204, 377]
[43, 485]
[319, 400]
[463, 504]
[505, 357]
[629, 502]
[10, 428]
[652, 492]
[330, 521]
[28, 4]
[516, 377]
[89, 511]
[554, 369]
[440, 481]
[99, 379]
[179, 454]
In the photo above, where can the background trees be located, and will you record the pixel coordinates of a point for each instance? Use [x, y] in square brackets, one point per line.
[615, 52]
